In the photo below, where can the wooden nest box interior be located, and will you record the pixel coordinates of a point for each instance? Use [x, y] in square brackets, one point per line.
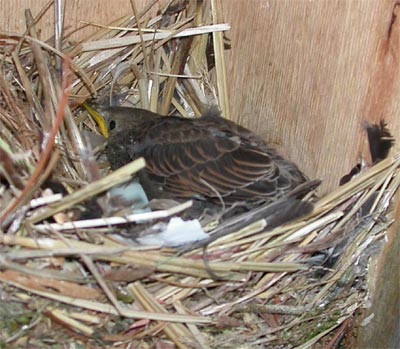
[306, 76]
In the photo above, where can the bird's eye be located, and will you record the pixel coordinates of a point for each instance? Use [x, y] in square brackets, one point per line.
[112, 125]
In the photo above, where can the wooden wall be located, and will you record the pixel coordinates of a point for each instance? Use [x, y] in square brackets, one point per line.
[306, 74]
[303, 74]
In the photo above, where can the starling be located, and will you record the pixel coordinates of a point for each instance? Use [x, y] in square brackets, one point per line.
[208, 158]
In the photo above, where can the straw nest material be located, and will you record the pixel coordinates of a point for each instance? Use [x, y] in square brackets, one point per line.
[64, 284]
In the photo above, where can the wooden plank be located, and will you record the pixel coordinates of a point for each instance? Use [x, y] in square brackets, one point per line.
[306, 74]
[100, 12]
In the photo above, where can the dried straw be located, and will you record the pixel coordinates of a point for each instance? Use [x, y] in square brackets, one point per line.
[116, 292]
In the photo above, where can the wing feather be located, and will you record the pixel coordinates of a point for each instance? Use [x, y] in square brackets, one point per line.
[208, 155]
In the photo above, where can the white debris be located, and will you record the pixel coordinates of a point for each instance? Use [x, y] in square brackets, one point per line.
[177, 232]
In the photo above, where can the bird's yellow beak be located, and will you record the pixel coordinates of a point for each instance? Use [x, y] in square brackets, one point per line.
[98, 118]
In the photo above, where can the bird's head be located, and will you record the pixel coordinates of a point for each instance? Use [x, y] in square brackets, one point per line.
[112, 120]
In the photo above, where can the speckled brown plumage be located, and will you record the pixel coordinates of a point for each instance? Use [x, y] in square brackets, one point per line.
[205, 157]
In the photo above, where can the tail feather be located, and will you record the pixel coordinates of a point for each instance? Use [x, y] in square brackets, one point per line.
[278, 213]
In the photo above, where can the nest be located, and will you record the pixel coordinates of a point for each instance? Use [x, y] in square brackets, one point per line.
[63, 282]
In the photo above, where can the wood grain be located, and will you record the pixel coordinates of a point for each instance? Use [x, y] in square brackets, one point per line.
[303, 74]
[98, 12]
[306, 74]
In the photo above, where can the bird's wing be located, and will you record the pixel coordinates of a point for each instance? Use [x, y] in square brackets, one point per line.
[200, 157]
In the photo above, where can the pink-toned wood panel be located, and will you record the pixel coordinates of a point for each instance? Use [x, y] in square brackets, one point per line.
[306, 74]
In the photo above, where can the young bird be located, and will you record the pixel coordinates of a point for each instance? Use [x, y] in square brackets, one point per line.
[208, 158]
